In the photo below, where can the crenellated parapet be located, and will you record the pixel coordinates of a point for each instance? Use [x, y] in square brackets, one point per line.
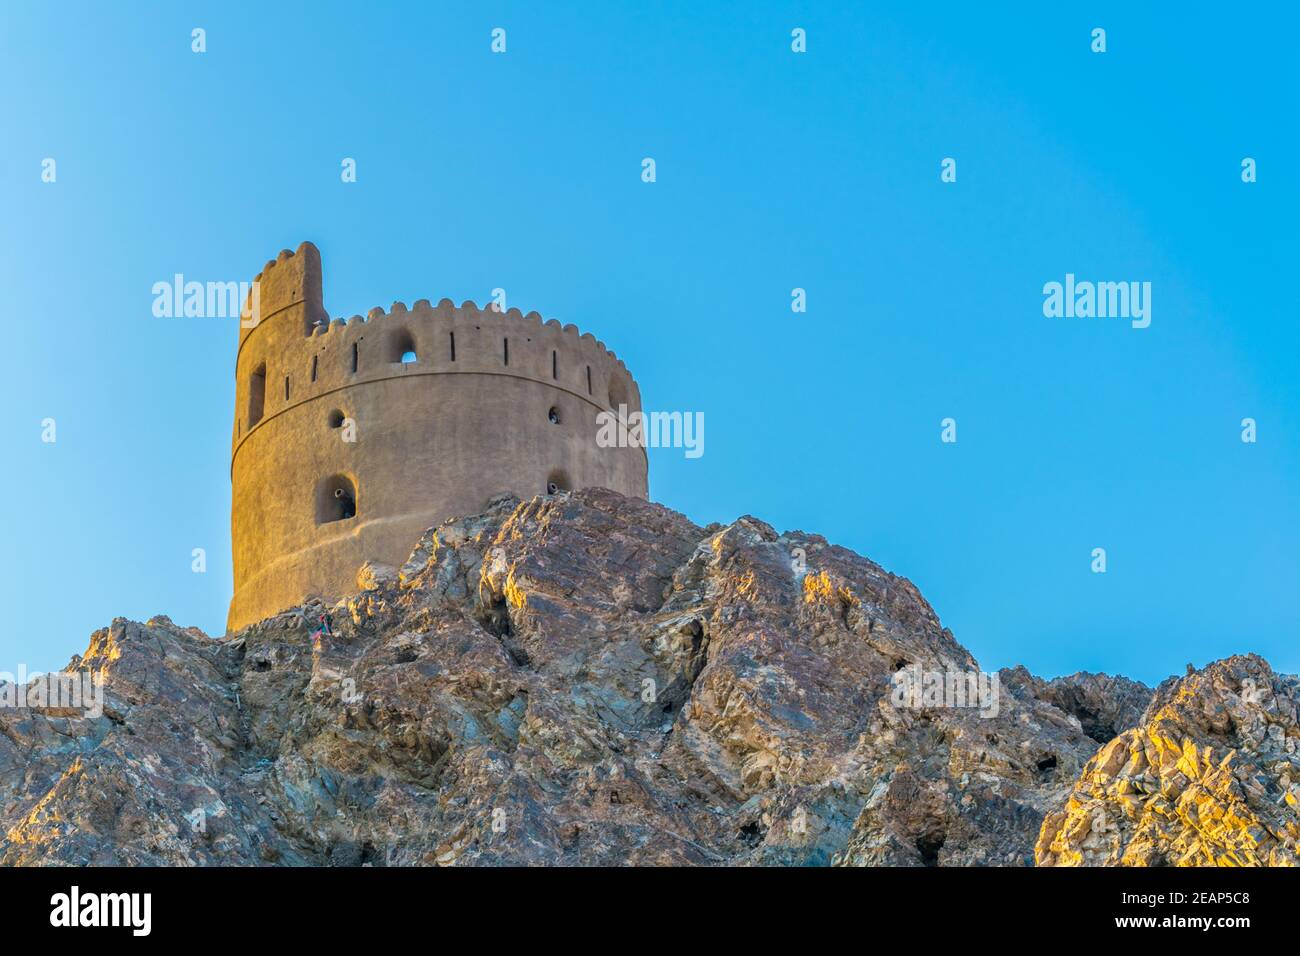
[449, 405]
[305, 355]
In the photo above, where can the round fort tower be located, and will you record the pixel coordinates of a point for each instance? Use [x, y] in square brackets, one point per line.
[352, 438]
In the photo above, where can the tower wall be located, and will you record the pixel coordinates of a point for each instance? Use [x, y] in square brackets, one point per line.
[434, 439]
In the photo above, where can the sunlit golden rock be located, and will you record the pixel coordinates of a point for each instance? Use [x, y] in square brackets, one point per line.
[1228, 748]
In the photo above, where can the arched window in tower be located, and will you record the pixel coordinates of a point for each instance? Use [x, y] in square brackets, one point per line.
[256, 395]
[355, 357]
[313, 367]
[617, 392]
[336, 499]
[401, 347]
[555, 365]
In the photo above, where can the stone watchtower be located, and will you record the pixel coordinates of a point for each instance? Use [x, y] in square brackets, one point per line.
[352, 438]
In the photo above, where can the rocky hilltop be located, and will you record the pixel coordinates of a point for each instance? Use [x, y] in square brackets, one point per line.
[1210, 777]
[588, 679]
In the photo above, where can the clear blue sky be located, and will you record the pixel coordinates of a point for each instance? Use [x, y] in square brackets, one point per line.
[775, 170]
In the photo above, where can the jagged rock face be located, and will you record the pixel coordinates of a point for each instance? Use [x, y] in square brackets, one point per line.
[581, 679]
[122, 787]
[1211, 776]
[1104, 705]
